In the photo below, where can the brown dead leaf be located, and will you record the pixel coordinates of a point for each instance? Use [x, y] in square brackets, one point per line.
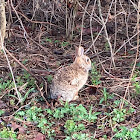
[110, 17]
[101, 139]
[2, 104]
[20, 128]
[39, 136]
[87, 31]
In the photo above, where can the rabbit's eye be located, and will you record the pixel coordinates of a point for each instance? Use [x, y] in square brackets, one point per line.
[87, 59]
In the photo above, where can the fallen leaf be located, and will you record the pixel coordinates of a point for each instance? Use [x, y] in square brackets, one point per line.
[2, 104]
[39, 136]
[15, 126]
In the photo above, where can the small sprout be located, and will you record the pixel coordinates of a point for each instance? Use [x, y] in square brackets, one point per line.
[64, 44]
[1, 112]
[107, 46]
[24, 61]
[49, 40]
[49, 78]
[95, 77]
[56, 41]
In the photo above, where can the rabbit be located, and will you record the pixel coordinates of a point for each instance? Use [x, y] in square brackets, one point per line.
[70, 79]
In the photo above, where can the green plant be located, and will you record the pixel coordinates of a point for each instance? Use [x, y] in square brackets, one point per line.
[106, 96]
[1, 112]
[4, 85]
[77, 113]
[49, 40]
[27, 78]
[117, 103]
[6, 133]
[118, 115]
[56, 41]
[49, 78]
[45, 126]
[22, 98]
[95, 77]
[106, 46]
[73, 112]
[24, 61]
[63, 44]
[137, 87]
[92, 117]
[35, 115]
[136, 84]
[71, 127]
[25, 81]
[127, 133]
[80, 136]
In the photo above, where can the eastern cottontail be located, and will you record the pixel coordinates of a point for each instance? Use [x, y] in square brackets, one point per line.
[70, 79]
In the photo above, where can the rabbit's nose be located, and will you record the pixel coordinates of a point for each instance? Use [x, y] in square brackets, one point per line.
[90, 67]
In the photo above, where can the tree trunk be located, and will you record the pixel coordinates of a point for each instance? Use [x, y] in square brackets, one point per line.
[2, 21]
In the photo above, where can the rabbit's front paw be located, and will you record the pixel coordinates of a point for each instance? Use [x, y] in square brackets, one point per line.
[76, 97]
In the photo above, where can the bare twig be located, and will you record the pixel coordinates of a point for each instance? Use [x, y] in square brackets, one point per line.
[25, 33]
[115, 38]
[41, 93]
[107, 37]
[136, 57]
[3, 48]
[126, 42]
[97, 19]
[20, 64]
[93, 42]
[40, 22]
[82, 25]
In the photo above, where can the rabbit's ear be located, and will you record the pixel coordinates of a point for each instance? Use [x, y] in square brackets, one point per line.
[79, 51]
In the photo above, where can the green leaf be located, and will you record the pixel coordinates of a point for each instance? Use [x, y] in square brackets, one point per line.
[1, 112]
[21, 113]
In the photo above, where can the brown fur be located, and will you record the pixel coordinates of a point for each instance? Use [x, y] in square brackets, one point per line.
[69, 80]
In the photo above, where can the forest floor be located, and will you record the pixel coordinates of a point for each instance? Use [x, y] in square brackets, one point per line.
[109, 104]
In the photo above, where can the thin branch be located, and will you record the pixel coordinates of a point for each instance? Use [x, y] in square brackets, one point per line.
[126, 42]
[83, 22]
[21, 64]
[136, 57]
[101, 28]
[107, 37]
[25, 33]
[3, 49]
